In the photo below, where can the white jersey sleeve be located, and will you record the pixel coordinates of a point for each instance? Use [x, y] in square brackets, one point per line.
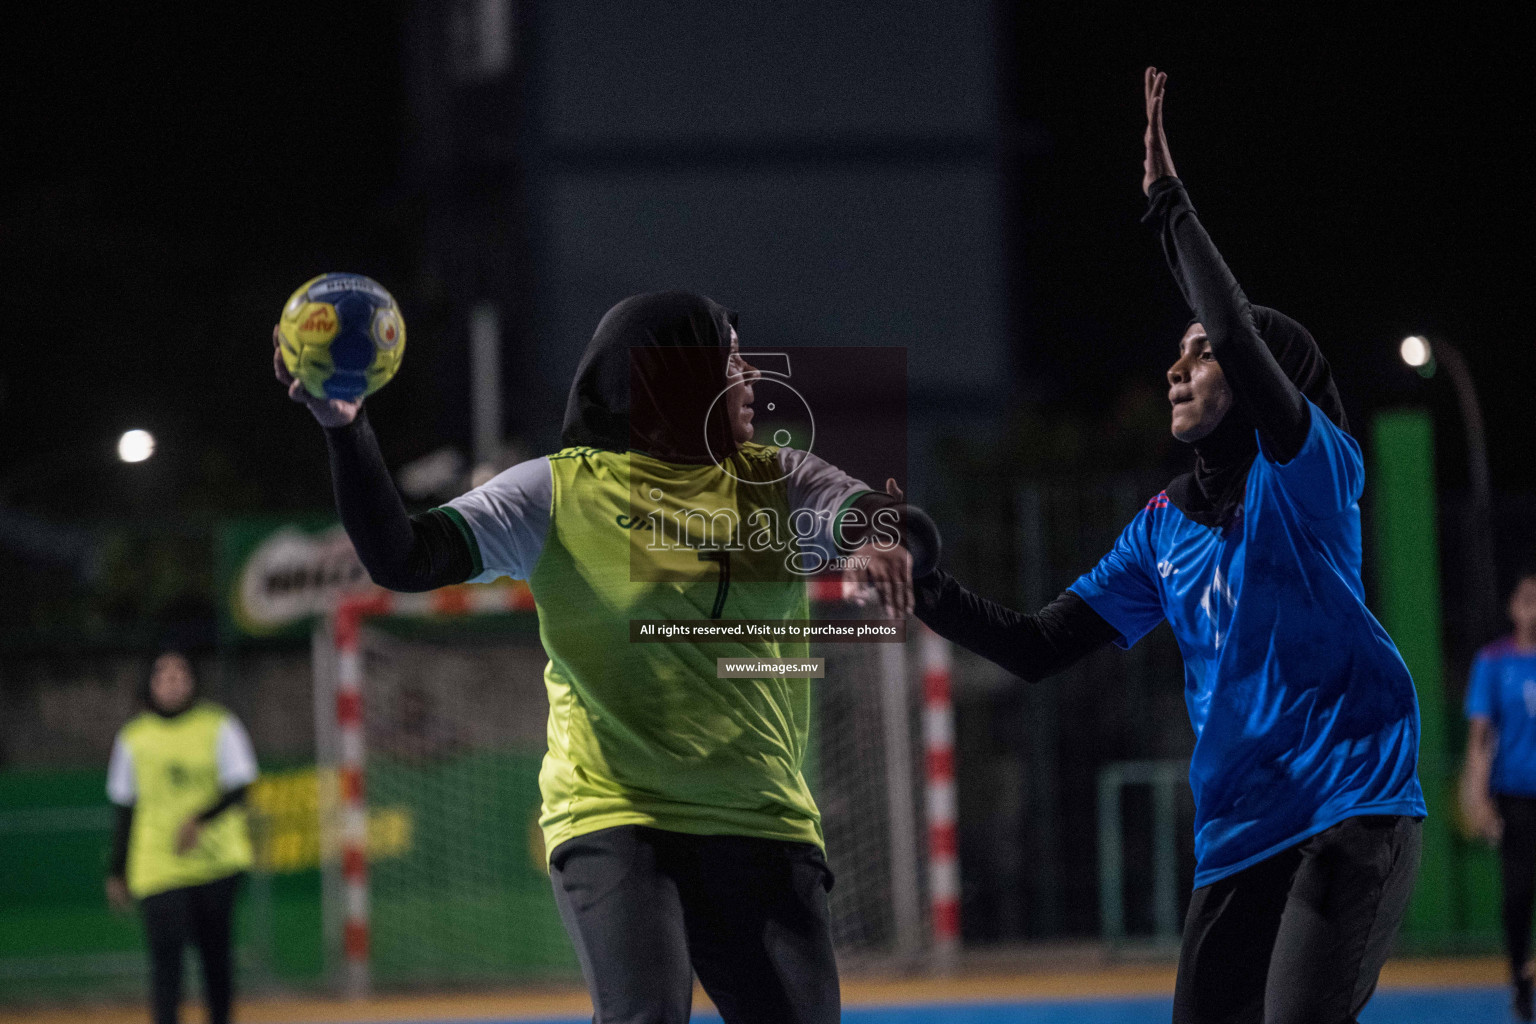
[507, 518]
[816, 486]
[122, 789]
[232, 751]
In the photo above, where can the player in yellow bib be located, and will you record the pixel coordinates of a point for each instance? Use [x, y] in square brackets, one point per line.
[680, 830]
[178, 775]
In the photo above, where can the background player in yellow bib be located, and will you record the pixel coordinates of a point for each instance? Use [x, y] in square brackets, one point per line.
[681, 833]
[178, 775]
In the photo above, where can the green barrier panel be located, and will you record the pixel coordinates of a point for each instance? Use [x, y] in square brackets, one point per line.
[1401, 488]
[457, 883]
[1455, 906]
[58, 939]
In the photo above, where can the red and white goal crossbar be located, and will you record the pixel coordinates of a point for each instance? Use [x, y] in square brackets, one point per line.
[346, 627]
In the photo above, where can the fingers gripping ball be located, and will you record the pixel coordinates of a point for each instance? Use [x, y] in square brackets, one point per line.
[342, 335]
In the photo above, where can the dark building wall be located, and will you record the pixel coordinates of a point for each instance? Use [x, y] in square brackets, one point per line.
[831, 171]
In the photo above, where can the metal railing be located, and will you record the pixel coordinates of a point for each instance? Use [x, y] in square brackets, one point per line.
[1164, 778]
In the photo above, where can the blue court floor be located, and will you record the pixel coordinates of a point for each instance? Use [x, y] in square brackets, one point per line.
[1466, 990]
[1409, 1006]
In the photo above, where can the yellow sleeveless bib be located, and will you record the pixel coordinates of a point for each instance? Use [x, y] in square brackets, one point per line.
[643, 732]
[176, 775]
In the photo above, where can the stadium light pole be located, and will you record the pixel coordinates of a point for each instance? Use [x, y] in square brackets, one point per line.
[1424, 357]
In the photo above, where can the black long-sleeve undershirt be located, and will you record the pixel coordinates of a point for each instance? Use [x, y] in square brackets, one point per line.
[122, 826]
[224, 803]
[400, 552]
[1064, 631]
[917, 530]
[1032, 647]
[1260, 387]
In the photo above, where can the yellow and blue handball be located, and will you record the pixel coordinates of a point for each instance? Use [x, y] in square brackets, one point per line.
[342, 335]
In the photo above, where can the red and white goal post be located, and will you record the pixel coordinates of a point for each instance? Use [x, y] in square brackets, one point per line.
[913, 933]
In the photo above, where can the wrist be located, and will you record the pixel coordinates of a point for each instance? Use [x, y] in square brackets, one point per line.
[928, 591]
[352, 426]
[1165, 196]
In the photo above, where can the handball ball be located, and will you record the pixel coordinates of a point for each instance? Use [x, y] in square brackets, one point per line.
[342, 335]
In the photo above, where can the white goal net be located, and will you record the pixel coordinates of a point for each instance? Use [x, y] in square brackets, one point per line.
[435, 874]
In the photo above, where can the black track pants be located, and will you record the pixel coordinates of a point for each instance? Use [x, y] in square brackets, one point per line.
[203, 915]
[1300, 937]
[1517, 861]
[646, 909]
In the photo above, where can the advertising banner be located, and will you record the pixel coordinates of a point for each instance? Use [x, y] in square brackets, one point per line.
[277, 576]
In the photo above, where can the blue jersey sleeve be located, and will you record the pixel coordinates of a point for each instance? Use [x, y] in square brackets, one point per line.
[1122, 588]
[1327, 475]
[1481, 701]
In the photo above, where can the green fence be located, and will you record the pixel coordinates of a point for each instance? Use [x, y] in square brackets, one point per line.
[458, 889]
[59, 940]
[1456, 904]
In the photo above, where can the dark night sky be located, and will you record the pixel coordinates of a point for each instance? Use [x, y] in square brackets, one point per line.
[170, 179]
[1366, 171]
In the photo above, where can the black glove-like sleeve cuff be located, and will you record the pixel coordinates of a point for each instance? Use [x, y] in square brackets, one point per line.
[916, 530]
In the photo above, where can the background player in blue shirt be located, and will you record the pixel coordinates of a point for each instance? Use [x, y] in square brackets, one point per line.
[1499, 783]
[1307, 803]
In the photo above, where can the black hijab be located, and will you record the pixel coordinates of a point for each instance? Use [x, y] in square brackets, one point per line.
[1212, 492]
[146, 690]
[650, 379]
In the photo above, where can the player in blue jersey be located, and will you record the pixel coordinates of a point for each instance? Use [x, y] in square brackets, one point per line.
[1499, 783]
[1307, 803]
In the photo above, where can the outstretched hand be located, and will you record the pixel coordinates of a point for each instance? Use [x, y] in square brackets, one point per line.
[188, 836]
[329, 412]
[1158, 162]
[883, 573]
[118, 897]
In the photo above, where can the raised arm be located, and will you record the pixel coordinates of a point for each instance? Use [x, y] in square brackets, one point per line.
[1032, 647]
[1262, 390]
[400, 552]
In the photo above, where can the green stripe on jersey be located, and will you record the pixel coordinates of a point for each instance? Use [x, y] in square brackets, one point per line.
[469, 538]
